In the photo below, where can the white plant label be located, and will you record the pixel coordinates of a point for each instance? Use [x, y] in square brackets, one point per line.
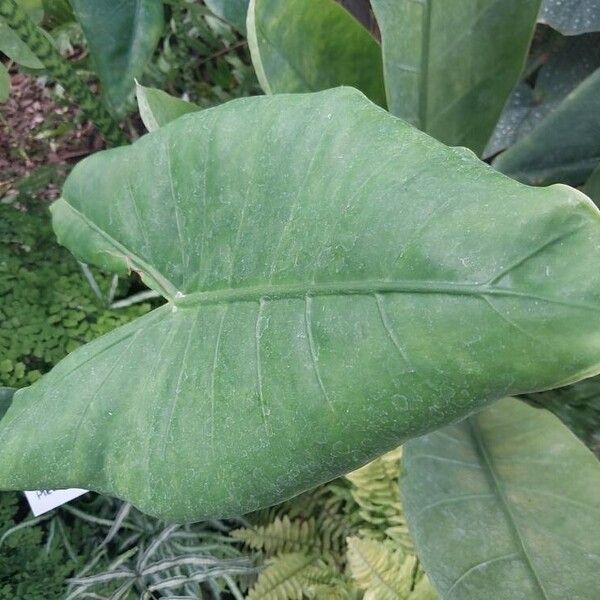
[41, 501]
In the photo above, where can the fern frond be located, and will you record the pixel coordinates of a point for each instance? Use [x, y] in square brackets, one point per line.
[423, 589]
[282, 536]
[376, 491]
[333, 592]
[382, 572]
[282, 579]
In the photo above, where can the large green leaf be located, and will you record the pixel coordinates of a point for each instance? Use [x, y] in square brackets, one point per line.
[232, 11]
[450, 66]
[571, 16]
[311, 45]
[338, 282]
[556, 127]
[121, 37]
[157, 108]
[505, 505]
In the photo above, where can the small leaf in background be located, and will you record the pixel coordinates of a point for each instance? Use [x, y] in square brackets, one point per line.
[505, 505]
[565, 63]
[58, 12]
[450, 66]
[121, 37]
[571, 17]
[157, 108]
[232, 11]
[592, 187]
[12, 45]
[312, 45]
[4, 83]
[556, 124]
[322, 259]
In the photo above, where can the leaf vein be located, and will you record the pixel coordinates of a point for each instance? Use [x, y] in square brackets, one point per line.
[312, 348]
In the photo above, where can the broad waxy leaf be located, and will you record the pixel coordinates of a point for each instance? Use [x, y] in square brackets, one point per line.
[504, 505]
[558, 135]
[450, 66]
[338, 282]
[571, 17]
[121, 37]
[232, 11]
[157, 108]
[312, 45]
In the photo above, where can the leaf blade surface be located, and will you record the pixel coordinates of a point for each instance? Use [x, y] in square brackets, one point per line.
[571, 17]
[121, 37]
[558, 139]
[513, 493]
[312, 45]
[324, 304]
[449, 67]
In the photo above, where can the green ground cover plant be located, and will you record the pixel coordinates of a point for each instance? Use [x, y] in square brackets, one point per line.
[337, 283]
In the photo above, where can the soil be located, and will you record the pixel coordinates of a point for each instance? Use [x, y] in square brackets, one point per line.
[39, 128]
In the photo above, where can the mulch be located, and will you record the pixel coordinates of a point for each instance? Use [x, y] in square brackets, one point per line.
[39, 128]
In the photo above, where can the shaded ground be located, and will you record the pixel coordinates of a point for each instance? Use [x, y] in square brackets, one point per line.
[38, 129]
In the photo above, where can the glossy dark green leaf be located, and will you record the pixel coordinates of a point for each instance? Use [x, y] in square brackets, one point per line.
[450, 66]
[311, 45]
[232, 11]
[567, 62]
[571, 17]
[338, 282]
[518, 117]
[504, 505]
[558, 135]
[121, 37]
[157, 108]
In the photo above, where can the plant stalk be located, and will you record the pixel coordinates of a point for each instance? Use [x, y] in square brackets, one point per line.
[60, 70]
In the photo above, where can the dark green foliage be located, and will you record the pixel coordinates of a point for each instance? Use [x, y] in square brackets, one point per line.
[61, 70]
[32, 566]
[201, 57]
[47, 309]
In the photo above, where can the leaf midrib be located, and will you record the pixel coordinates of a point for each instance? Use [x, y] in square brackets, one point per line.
[496, 483]
[303, 290]
[363, 288]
